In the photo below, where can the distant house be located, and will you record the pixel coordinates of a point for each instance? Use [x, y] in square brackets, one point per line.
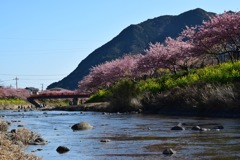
[32, 90]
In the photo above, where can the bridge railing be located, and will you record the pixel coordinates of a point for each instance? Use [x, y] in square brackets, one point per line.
[59, 95]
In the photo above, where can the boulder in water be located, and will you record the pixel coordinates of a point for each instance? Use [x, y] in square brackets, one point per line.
[62, 149]
[81, 126]
[169, 151]
[178, 127]
[105, 140]
[218, 127]
[196, 128]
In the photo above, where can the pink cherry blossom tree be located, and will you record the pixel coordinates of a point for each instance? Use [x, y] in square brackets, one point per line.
[173, 54]
[180, 55]
[152, 60]
[218, 36]
[14, 93]
[104, 75]
[57, 91]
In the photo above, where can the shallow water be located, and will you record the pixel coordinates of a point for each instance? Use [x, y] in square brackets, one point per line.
[133, 137]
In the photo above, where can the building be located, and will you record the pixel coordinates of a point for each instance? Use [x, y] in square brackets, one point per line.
[32, 90]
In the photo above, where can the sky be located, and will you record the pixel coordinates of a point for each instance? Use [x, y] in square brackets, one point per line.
[43, 41]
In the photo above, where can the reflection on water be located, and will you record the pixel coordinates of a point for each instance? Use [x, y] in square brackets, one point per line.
[132, 137]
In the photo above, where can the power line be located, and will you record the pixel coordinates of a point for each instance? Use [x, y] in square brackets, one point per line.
[42, 39]
[48, 51]
[39, 79]
[6, 80]
[33, 75]
[29, 80]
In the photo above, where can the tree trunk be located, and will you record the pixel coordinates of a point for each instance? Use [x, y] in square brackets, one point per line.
[231, 57]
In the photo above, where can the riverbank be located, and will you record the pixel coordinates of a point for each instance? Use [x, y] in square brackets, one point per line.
[13, 142]
[188, 112]
[96, 107]
[209, 100]
[147, 109]
[205, 100]
[14, 104]
[209, 91]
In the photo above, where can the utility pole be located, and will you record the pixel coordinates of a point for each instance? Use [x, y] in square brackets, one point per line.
[16, 79]
[42, 86]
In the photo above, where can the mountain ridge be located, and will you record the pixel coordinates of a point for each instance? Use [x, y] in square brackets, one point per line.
[134, 39]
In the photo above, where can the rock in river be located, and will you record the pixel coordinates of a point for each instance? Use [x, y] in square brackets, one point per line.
[81, 126]
[169, 151]
[62, 149]
[38, 141]
[204, 129]
[178, 127]
[196, 128]
[218, 127]
[105, 140]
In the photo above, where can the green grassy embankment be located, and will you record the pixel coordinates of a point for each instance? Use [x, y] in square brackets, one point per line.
[13, 103]
[205, 91]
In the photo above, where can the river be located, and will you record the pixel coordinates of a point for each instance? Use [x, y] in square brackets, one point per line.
[133, 136]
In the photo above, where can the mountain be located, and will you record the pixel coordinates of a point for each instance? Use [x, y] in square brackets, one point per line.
[134, 39]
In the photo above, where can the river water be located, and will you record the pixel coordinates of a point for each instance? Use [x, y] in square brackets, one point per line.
[133, 136]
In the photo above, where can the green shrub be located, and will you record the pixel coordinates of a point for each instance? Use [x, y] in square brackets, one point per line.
[122, 94]
[193, 78]
[101, 96]
[149, 85]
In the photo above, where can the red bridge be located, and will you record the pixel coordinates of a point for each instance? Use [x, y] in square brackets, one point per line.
[57, 95]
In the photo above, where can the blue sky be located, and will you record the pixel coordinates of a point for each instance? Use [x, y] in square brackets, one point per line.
[42, 41]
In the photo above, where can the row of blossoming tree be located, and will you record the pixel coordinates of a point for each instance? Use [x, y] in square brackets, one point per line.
[217, 38]
[14, 93]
